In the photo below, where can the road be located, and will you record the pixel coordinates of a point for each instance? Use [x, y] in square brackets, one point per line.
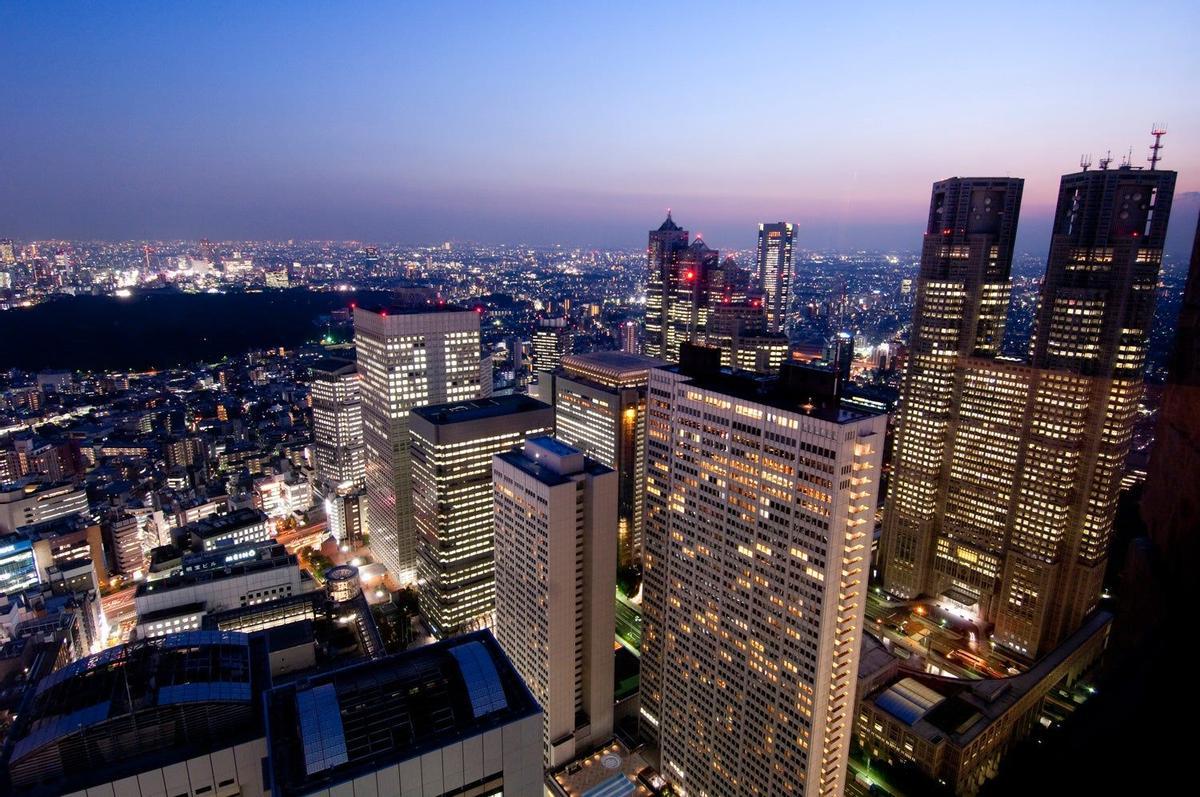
[856, 789]
[933, 637]
[629, 626]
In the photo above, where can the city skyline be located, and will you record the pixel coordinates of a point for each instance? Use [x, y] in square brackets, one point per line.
[314, 126]
[355, 441]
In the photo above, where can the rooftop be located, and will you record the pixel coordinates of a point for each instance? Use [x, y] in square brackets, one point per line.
[339, 725]
[478, 409]
[412, 309]
[772, 391]
[98, 695]
[334, 365]
[214, 525]
[939, 708]
[277, 556]
[616, 367]
[545, 474]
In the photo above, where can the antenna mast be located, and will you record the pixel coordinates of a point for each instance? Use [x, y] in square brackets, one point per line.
[1085, 161]
[1158, 131]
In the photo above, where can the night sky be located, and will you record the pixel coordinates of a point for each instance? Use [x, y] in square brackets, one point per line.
[553, 123]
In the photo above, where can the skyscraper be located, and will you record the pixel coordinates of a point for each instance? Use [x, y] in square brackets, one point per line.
[7, 253]
[775, 270]
[337, 423]
[688, 286]
[551, 341]
[452, 448]
[1007, 473]
[408, 356]
[629, 338]
[555, 574]
[760, 502]
[600, 408]
[664, 247]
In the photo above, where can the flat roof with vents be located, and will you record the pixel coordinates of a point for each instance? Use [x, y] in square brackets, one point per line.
[341, 724]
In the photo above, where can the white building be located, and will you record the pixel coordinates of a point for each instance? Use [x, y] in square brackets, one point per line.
[408, 357]
[28, 502]
[556, 558]
[234, 528]
[760, 504]
[225, 579]
[337, 423]
[282, 496]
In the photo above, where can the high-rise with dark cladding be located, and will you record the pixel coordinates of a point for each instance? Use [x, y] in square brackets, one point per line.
[1007, 472]
[775, 270]
[689, 288]
[662, 251]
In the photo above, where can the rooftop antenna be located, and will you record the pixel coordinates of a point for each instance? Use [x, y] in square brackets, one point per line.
[1107, 159]
[1085, 161]
[1158, 131]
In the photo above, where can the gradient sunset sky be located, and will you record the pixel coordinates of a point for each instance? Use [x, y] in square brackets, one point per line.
[558, 123]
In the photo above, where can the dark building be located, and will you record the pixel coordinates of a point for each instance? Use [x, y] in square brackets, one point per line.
[662, 251]
[138, 709]
[448, 718]
[776, 270]
[1007, 473]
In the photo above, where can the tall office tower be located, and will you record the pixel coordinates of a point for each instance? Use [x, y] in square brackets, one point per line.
[775, 270]
[337, 423]
[1007, 473]
[760, 501]
[409, 356]
[688, 296]
[452, 449]
[206, 251]
[962, 298]
[8, 255]
[665, 245]
[629, 338]
[1090, 345]
[600, 408]
[555, 576]
[552, 340]
[839, 353]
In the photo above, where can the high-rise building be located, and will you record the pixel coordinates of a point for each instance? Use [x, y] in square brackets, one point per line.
[409, 356]
[552, 340]
[760, 502]
[7, 253]
[28, 502]
[556, 519]
[452, 449]
[337, 423]
[600, 408]
[629, 338]
[839, 354]
[1007, 473]
[666, 244]
[695, 297]
[775, 270]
